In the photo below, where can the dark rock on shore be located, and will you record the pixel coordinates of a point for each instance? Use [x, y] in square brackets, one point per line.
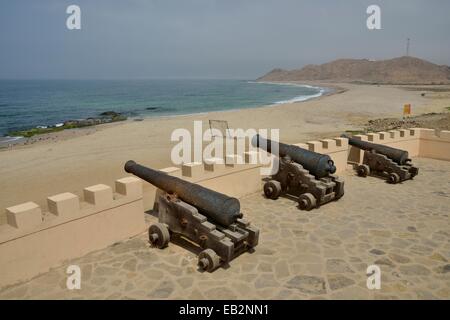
[110, 114]
[105, 117]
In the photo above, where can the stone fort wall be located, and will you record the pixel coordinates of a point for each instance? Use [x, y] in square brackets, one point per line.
[33, 241]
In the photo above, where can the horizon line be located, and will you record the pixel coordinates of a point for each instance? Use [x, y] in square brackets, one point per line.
[129, 79]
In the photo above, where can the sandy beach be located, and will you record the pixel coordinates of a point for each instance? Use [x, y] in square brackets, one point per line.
[70, 160]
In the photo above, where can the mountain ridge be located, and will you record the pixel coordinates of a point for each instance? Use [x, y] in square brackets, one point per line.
[400, 70]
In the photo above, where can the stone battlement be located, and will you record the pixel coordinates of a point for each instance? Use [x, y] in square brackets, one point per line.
[33, 241]
[419, 142]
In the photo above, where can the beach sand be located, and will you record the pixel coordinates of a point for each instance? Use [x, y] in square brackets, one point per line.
[71, 160]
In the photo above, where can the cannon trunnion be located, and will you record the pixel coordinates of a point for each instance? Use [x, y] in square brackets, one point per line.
[384, 161]
[209, 219]
[302, 174]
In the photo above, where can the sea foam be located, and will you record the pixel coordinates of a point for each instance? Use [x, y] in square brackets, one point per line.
[302, 98]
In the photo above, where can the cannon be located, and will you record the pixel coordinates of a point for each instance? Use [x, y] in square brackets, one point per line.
[209, 219]
[305, 175]
[384, 161]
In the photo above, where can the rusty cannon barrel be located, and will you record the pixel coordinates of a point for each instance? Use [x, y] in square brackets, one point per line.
[319, 165]
[396, 155]
[219, 207]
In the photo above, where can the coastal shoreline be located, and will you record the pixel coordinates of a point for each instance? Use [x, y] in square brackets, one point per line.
[14, 142]
[8, 143]
[156, 98]
[73, 159]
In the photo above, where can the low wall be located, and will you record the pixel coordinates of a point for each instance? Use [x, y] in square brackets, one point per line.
[239, 175]
[433, 144]
[34, 241]
[336, 148]
[419, 142]
[228, 176]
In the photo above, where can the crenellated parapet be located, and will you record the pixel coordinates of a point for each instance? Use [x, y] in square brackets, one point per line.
[34, 240]
[236, 175]
[419, 142]
[433, 143]
[405, 139]
[336, 148]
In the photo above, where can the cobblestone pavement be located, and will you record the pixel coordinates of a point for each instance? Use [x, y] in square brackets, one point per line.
[324, 253]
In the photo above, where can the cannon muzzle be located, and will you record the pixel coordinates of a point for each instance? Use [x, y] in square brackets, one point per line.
[219, 207]
[320, 165]
[397, 155]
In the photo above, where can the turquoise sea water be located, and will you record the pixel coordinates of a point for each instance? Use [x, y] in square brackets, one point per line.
[29, 103]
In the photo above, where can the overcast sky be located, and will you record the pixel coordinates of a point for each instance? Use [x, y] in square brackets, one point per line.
[210, 38]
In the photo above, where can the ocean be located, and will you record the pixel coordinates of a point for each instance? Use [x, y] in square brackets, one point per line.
[25, 104]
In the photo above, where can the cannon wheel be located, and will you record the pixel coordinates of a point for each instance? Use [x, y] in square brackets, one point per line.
[393, 178]
[306, 201]
[272, 189]
[208, 260]
[363, 170]
[158, 235]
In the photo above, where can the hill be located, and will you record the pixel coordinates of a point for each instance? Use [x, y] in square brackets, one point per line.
[402, 70]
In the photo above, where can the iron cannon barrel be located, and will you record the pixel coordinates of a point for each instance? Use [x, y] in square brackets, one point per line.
[397, 155]
[219, 207]
[320, 165]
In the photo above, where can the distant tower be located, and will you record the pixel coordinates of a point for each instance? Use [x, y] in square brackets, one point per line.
[407, 47]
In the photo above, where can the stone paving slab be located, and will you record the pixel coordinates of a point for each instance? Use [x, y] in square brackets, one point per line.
[320, 254]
